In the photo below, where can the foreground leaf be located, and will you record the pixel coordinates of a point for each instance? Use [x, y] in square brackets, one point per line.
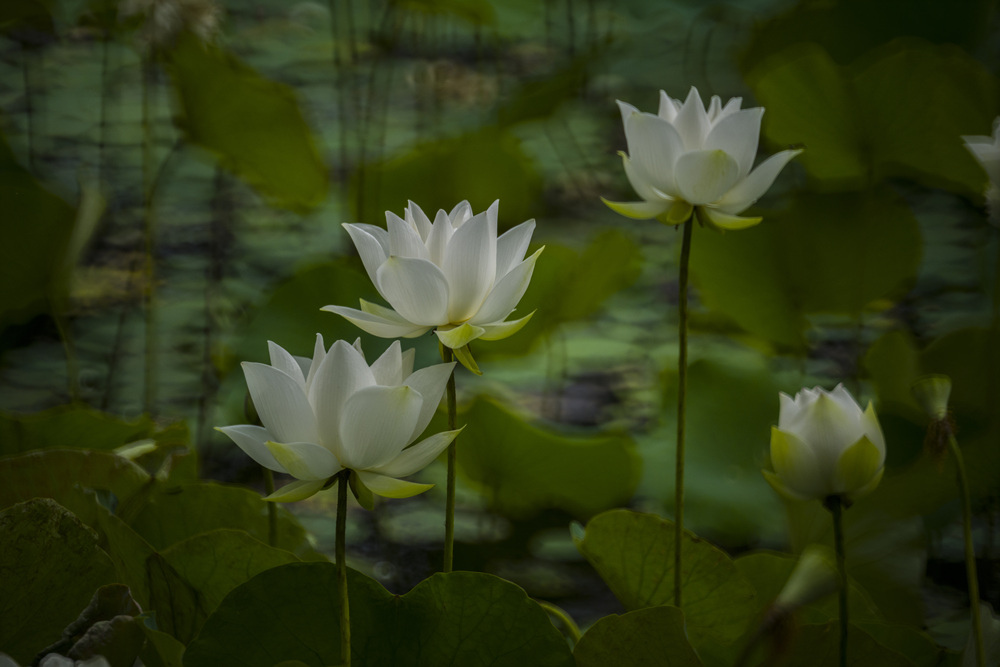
[50, 566]
[181, 512]
[54, 473]
[652, 637]
[634, 554]
[218, 561]
[461, 619]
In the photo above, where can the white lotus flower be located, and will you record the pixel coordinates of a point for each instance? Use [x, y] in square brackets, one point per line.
[335, 411]
[825, 445]
[987, 151]
[688, 158]
[452, 275]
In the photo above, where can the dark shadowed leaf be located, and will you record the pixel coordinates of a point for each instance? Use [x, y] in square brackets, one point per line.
[181, 512]
[460, 619]
[634, 554]
[218, 561]
[50, 566]
[651, 637]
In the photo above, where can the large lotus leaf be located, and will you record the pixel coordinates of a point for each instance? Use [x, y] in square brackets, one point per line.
[36, 227]
[60, 473]
[463, 619]
[178, 513]
[917, 101]
[819, 646]
[732, 404]
[848, 29]
[50, 566]
[68, 427]
[827, 253]
[526, 468]
[480, 167]
[567, 286]
[161, 650]
[915, 645]
[809, 102]
[177, 606]
[768, 572]
[900, 111]
[252, 125]
[218, 561]
[634, 554]
[652, 637]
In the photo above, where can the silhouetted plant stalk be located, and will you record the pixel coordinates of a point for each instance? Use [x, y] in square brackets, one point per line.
[970, 547]
[341, 551]
[272, 509]
[448, 355]
[221, 212]
[835, 504]
[682, 325]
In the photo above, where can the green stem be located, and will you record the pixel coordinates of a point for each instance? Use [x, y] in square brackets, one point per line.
[970, 549]
[571, 627]
[449, 508]
[345, 611]
[682, 309]
[836, 507]
[272, 509]
[72, 361]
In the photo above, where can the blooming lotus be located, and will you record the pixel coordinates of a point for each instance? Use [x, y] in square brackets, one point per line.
[452, 275]
[987, 151]
[825, 445]
[691, 159]
[335, 412]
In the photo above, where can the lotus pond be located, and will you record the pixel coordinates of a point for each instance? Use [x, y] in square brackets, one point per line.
[806, 298]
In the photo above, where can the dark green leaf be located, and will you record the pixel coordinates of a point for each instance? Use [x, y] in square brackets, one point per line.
[181, 512]
[36, 226]
[218, 561]
[68, 427]
[50, 566]
[634, 554]
[819, 646]
[252, 125]
[54, 473]
[770, 277]
[460, 619]
[651, 637]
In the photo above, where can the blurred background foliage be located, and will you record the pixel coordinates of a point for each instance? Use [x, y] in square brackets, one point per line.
[172, 195]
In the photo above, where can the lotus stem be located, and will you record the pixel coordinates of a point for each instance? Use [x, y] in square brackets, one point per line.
[682, 309]
[970, 549]
[72, 361]
[835, 505]
[345, 611]
[272, 509]
[572, 629]
[449, 508]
